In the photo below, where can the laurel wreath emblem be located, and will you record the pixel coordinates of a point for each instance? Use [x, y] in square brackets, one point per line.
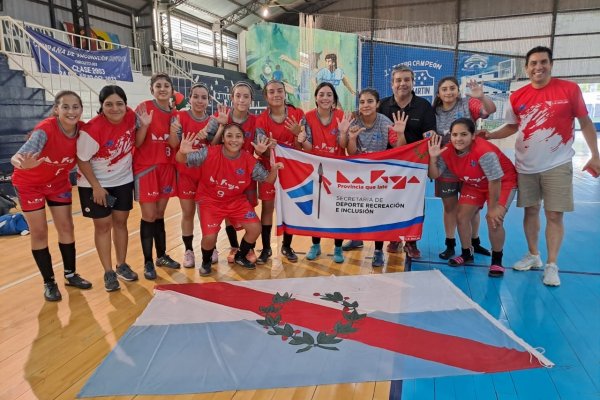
[296, 337]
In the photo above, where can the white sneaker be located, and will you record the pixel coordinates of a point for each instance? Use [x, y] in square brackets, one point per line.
[215, 257]
[189, 260]
[529, 261]
[551, 275]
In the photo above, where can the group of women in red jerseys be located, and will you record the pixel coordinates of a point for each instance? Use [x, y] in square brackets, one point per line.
[155, 152]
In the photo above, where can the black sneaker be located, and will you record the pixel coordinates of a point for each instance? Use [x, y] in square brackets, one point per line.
[166, 261]
[125, 272]
[206, 268]
[78, 282]
[446, 254]
[51, 292]
[149, 271]
[289, 253]
[479, 249]
[111, 283]
[264, 256]
[244, 262]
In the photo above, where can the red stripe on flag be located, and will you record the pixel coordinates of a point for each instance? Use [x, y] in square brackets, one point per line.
[441, 348]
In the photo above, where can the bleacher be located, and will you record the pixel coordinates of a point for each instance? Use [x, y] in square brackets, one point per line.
[220, 81]
[21, 108]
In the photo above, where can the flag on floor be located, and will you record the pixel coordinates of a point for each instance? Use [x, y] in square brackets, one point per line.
[219, 336]
[374, 196]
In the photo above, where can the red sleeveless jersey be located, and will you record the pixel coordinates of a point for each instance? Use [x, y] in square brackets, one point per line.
[191, 124]
[223, 178]
[155, 149]
[325, 137]
[58, 156]
[265, 123]
[467, 169]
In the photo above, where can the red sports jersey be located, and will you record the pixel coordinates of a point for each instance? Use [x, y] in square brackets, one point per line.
[109, 149]
[190, 124]
[58, 156]
[249, 127]
[268, 127]
[325, 137]
[466, 167]
[223, 178]
[155, 149]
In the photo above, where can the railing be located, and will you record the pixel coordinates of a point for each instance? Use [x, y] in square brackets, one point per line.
[178, 68]
[82, 42]
[15, 43]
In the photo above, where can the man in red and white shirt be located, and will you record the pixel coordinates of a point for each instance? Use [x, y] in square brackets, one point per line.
[542, 115]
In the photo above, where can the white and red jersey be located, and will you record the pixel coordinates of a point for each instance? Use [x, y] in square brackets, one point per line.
[109, 149]
[58, 156]
[325, 138]
[466, 166]
[546, 124]
[224, 178]
[155, 149]
[191, 124]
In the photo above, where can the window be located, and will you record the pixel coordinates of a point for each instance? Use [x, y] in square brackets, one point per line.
[192, 38]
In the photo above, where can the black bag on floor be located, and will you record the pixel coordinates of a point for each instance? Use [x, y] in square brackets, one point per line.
[6, 203]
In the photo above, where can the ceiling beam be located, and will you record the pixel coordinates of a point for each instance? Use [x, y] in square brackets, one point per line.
[211, 14]
[242, 6]
[242, 12]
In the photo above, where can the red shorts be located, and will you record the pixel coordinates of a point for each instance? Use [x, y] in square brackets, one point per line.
[477, 197]
[34, 197]
[251, 194]
[155, 183]
[238, 211]
[266, 191]
[187, 186]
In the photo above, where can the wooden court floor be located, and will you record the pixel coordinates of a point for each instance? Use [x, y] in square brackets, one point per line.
[49, 350]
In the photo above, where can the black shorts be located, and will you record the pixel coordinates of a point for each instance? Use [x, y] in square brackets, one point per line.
[445, 189]
[124, 202]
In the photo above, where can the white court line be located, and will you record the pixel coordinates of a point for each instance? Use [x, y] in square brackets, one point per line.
[85, 253]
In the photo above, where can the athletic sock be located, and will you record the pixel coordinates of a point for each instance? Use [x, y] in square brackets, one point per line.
[232, 236]
[160, 237]
[287, 240]
[147, 237]
[187, 242]
[266, 236]
[378, 245]
[206, 256]
[497, 257]
[244, 248]
[43, 259]
[67, 251]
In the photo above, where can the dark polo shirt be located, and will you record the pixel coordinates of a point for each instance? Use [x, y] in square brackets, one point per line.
[421, 116]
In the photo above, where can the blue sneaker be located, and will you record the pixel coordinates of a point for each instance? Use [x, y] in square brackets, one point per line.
[125, 272]
[378, 259]
[313, 252]
[353, 244]
[149, 271]
[338, 256]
